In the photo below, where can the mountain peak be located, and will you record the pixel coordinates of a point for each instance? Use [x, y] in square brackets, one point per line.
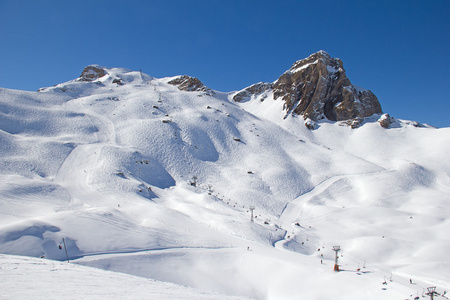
[322, 52]
[92, 72]
[317, 87]
[320, 57]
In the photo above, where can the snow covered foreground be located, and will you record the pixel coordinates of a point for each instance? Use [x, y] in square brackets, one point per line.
[34, 278]
[145, 179]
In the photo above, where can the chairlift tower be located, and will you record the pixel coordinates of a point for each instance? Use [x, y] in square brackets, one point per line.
[65, 249]
[252, 208]
[431, 292]
[336, 265]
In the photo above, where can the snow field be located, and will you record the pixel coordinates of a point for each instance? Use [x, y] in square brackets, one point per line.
[108, 168]
[58, 280]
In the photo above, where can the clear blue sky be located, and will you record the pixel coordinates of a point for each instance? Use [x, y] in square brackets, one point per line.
[398, 49]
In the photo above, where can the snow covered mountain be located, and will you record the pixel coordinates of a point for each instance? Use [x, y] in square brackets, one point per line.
[160, 177]
[317, 88]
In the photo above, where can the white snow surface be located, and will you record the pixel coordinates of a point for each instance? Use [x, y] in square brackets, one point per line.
[34, 278]
[108, 167]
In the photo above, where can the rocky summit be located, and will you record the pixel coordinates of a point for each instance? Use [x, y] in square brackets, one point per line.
[316, 88]
[92, 72]
[190, 84]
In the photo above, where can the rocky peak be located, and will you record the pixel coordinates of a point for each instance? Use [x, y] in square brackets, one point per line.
[317, 87]
[320, 57]
[190, 84]
[92, 72]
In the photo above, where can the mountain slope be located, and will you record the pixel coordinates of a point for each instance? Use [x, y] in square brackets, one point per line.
[141, 176]
[70, 281]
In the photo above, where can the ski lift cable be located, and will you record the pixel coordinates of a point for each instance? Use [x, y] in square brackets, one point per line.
[382, 274]
[383, 271]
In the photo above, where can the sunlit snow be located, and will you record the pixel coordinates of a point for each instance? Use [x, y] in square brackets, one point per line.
[151, 181]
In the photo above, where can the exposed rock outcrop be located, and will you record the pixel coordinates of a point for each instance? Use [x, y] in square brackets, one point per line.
[92, 72]
[386, 120]
[318, 87]
[353, 123]
[190, 84]
[255, 89]
[118, 81]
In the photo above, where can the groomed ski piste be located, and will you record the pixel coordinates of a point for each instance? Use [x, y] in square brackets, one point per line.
[34, 278]
[144, 179]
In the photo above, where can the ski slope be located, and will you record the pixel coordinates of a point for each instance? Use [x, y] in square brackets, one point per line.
[33, 278]
[148, 180]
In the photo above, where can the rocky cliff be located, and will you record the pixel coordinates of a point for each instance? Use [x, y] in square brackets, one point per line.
[317, 87]
[92, 72]
[190, 84]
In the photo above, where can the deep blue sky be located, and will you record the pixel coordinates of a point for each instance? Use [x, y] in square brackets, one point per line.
[398, 49]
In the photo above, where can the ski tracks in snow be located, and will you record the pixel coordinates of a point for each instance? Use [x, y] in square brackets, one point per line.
[293, 209]
[125, 252]
[74, 172]
[106, 132]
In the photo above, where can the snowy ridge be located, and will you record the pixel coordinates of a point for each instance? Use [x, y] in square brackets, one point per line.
[142, 178]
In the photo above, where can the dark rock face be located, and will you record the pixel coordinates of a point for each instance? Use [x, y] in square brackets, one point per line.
[255, 89]
[118, 81]
[317, 87]
[92, 72]
[190, 84]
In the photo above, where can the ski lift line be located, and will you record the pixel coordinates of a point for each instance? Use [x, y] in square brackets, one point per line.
[402, 289]
[371, 264]
[395, 285]
[374, 268]
[398, 285]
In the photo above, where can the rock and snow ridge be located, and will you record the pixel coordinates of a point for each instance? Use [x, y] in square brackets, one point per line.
[143, 177]
[316, 88]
